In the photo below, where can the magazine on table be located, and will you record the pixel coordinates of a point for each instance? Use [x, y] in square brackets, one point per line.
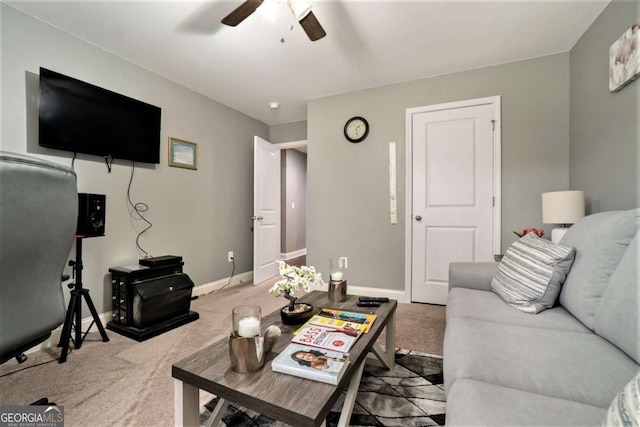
[311, 363]
[334, 339]
[340, 319]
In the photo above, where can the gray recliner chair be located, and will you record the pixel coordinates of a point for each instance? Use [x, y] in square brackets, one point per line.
[38, 216]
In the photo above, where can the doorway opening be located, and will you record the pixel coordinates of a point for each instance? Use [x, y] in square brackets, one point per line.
[293, 202]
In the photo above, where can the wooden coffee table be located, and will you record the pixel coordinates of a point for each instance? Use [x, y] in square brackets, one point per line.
[296, 401]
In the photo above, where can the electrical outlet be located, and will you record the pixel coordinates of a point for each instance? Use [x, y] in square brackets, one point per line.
[230, 256]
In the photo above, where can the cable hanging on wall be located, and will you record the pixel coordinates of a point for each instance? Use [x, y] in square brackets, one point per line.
[108, 160]
[140, 209]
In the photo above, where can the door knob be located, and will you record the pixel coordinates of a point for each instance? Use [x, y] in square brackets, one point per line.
[257, 218]
[418, 218]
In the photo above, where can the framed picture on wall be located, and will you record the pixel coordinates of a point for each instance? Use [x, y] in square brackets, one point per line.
[183, 154]
[624, 59]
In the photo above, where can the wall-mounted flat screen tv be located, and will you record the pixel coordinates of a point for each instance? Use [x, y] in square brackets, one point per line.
[82, 118]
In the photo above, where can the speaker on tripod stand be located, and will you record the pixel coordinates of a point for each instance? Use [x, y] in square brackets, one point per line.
[91, 223]
[91, 214]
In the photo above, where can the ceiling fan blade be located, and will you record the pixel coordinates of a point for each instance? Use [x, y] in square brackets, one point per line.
[241, 13]
[312, 27]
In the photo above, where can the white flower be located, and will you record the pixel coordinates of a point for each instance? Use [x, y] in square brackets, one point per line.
[295, 278]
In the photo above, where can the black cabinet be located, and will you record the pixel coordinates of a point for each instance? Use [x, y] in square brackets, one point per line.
[150, 299]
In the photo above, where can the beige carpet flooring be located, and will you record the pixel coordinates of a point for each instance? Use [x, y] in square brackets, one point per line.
[126, 383]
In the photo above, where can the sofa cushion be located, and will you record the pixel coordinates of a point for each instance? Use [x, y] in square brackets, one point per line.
[531, 273]
[566, 365]
[485, 305]
[600, 241]
[625, 408]
[475, 403]
[618, 316]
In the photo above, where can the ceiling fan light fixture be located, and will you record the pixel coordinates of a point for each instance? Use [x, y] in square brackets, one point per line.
[270, 10]
[241, 13]
[299, 8]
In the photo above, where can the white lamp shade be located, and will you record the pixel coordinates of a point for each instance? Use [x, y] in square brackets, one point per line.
[300, 8]
[562, 207]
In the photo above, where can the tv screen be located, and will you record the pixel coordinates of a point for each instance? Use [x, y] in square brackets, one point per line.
[83, 118]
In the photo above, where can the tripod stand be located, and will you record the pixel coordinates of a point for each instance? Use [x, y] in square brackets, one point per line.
[75, 309]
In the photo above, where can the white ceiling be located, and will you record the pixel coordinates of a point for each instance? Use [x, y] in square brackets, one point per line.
[368, 44]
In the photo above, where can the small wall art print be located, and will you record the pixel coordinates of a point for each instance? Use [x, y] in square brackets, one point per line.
[183, 154]
[624, 59]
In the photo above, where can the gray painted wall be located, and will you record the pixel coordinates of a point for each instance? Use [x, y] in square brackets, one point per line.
[197, 214]
[294, 131]
[294, 184]
[348, 187]
[605, 133]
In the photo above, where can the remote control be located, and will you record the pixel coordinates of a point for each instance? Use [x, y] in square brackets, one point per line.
[374, 299]
[368, 304]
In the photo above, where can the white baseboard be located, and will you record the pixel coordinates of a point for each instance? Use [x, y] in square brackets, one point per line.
[401, 296]
[294, 254]
[219, 284]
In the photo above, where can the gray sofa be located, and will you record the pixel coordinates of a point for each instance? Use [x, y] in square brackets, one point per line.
[563, 366]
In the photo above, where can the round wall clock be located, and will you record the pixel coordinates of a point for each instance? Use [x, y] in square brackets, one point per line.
[356, 129]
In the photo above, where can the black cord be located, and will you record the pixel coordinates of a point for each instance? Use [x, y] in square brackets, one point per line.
[108, 160]
[139, 208]
[33, 366]
[73, 160]
[28, 367]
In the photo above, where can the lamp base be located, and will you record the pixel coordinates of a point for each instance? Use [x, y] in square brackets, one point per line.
[558, 233]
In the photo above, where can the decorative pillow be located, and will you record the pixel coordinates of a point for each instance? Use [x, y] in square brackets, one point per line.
[625, 408]
[531, 273]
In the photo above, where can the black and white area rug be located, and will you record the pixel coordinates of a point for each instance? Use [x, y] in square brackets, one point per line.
[410, 395]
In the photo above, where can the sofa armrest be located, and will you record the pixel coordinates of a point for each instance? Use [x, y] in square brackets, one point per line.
[472, 275]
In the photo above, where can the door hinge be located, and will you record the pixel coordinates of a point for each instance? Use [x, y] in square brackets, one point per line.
[493, 201]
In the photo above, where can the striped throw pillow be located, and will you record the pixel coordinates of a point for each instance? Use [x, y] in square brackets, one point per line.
[531, 273]
[625, 408]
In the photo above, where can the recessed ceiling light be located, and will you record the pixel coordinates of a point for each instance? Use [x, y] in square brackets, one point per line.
[274, 105]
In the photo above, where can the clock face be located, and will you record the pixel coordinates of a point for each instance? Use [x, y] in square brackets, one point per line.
[356, 129]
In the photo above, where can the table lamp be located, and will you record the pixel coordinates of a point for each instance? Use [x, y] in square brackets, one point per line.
[564, 208]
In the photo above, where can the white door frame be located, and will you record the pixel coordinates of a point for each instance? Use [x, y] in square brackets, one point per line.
[292, 144]
[497, 176]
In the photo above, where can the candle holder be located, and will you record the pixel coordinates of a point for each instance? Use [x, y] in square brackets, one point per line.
[337, 280]
[246, 354]
[247, 321]
[246, 342]
[337, 291]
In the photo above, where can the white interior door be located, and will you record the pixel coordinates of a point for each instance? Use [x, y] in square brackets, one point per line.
[453, 194]
[266, 210]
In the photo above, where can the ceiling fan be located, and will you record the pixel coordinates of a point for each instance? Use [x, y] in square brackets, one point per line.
[301, 9]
